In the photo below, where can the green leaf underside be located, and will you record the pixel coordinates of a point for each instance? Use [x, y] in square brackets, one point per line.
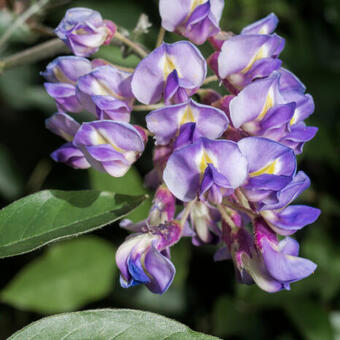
[51, 215]
[67, 276]
[130, 184]
[108, 324]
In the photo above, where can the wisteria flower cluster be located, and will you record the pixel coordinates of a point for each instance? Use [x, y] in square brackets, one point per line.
[228, 162]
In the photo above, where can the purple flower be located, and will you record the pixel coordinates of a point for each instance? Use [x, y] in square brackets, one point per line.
[70, 155]
[213, 168]
[253, 108]
[244, 58]
[174, 71]
[280, 259]
[62, 75]
[66, 127]
[266, 25]
[271, 167]
[66, 69]
[165, 123]
[83, 30]
[62, 125]
[286, 219]
[163, 207]
[144, 258]
[298, 132]
[262, 259]
[196, 20]
[289, 81]
[106, 92]
[264, 109]
[109, 146]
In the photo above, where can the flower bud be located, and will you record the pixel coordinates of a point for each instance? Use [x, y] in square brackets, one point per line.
[83, 30]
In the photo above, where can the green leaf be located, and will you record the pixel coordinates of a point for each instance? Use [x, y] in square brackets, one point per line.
[108, 324]
[51, 215]
[11, 181]
[173, 301]
[130, 184]
[311, 319]
[68, 276]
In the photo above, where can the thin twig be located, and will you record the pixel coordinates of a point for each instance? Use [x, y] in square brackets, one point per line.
[47, 49]
[226, 217]
[41, 29]
[35, 8]
[160, 37]
[139, 51]
[235, 206]
[186, 212]
[147, 107]
[210, 79]
[39, 175]
[123, 68]
[242, 198]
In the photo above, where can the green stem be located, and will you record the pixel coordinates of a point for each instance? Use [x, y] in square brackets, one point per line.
[35, 8]
[139, 51]
[235, 206]
[186, 212]
[210, 80]
[226, 217]
[160, 37]
[31, 55]
[147, 107]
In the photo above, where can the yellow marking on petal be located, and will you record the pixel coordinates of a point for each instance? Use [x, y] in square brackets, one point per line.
[61, 76]
[205, 160]
[259, 55]
[102, 89]
[188, 116]
[268, 169]
[168, 66]
[263, 30]
[293, 120]
[102, 139]
[66, 136]
[196, 3]
[81, 31]
[267, 105]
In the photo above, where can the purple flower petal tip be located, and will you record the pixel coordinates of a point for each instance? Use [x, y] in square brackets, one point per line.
[109, 146]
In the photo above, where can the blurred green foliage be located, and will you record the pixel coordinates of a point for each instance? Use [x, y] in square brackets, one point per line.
[69, 275]
[204, 295]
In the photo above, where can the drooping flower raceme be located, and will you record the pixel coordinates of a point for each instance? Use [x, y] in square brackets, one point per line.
[224, 163]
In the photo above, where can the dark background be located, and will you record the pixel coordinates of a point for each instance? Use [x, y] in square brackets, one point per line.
[205, 295]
